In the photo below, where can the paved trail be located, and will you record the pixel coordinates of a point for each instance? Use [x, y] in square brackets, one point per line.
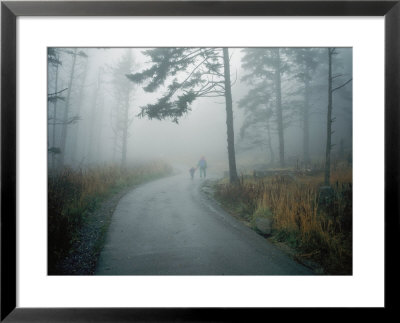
[169, 227]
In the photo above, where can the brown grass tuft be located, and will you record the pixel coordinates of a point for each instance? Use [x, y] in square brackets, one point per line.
[318, 232]
[74, 193]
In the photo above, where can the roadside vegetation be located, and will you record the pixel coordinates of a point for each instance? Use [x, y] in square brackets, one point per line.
[317, 228]
[74, 194]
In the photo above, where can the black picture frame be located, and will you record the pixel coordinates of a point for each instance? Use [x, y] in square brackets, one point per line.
[10, 10]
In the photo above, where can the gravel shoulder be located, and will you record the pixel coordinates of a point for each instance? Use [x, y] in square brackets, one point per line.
[85, 251]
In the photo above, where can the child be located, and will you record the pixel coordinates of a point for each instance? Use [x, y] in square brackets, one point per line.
[191, 171]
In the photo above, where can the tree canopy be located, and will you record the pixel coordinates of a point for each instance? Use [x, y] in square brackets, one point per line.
[192, 73]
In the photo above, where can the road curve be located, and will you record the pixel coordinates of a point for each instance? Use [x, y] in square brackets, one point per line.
[169, 227]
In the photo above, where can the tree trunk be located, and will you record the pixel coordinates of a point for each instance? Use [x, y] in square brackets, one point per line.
[125, 132]
[306, 126]
[271, 150]
[79, 106]
[114, 148]
[116, 130]
[53, 157]
[64, 131]
[93, 118]
[279, 109]
[329, 122]
[99, 129]
[229, 119]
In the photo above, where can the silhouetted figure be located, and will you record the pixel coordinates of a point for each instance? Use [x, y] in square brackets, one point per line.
[202, 164]
[191, 171]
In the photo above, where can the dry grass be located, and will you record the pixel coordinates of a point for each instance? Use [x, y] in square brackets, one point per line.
[74, 193]
[319, 232]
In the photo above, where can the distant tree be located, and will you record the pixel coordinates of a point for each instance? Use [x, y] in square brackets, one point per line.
[79, 103]
[66, 119]
[265, 67]
[53, 60]
[331, 89]
[258, 111]
[191, 73]
[122, 117]
[53, 56]
[96, 109]
[305, 63]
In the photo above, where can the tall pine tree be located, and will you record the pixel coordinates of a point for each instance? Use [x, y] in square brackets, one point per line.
[190, 73]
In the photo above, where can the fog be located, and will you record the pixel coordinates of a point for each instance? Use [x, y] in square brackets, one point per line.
[94, 111]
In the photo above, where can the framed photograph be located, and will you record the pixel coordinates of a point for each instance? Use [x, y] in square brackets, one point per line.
[197, 160]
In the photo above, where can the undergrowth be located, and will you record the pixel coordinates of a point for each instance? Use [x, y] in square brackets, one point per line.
[318, 230]
[72, 194]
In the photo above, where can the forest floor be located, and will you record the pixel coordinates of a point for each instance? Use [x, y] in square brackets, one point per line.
[85, 251]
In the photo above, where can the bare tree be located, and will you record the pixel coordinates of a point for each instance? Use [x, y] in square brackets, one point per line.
[66, 120]
[330, 120]
[53, 59]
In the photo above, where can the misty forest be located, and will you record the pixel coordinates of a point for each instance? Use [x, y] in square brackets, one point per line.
[199, 161]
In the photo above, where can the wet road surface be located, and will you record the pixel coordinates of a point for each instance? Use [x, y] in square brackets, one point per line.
[170, 227]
